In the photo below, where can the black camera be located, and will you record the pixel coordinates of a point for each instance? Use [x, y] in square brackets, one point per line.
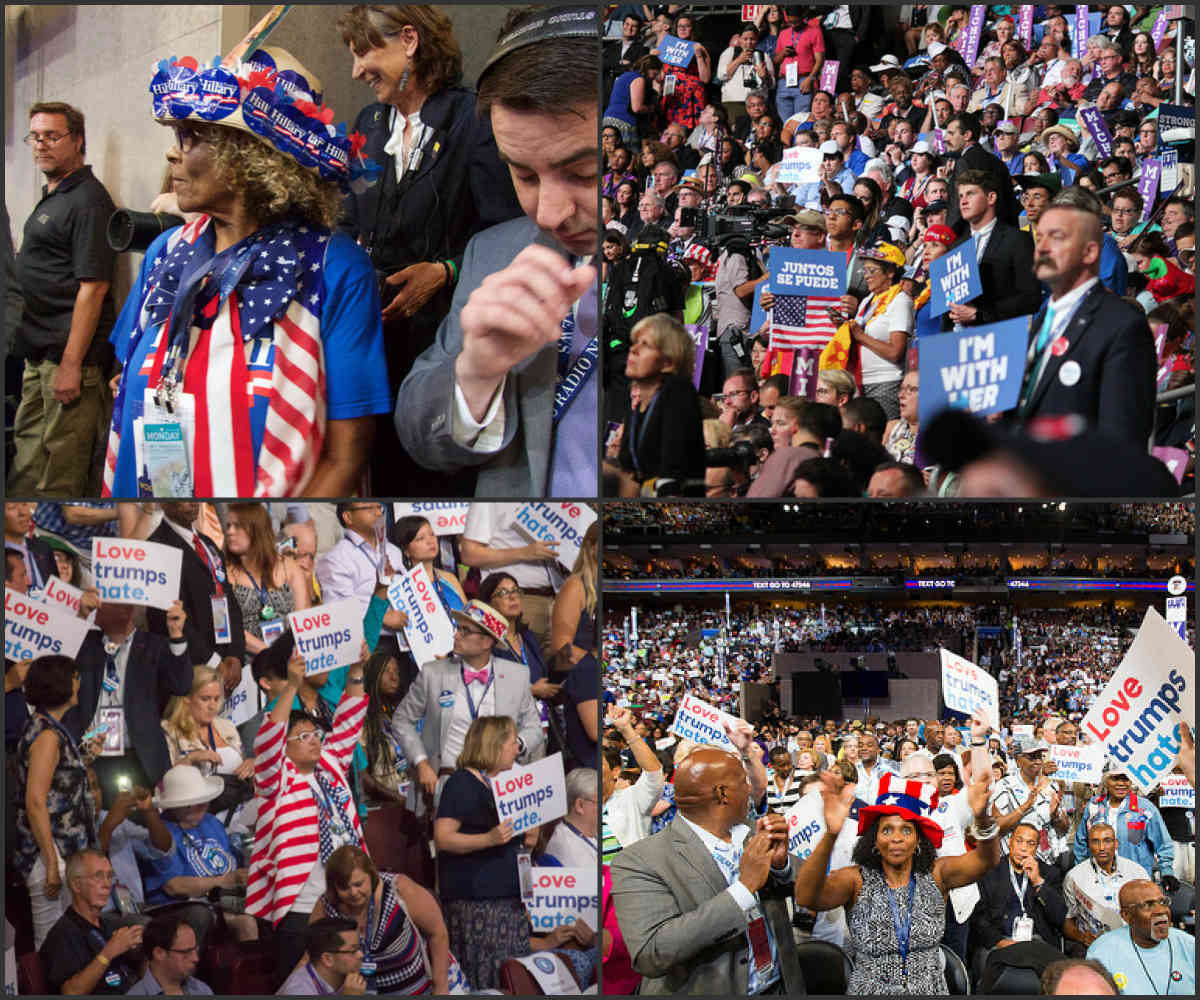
[739, 455]
[137, 230]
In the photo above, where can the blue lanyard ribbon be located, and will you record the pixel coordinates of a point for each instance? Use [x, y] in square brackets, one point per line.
[467, 688]
[572, 376]
[903, 931]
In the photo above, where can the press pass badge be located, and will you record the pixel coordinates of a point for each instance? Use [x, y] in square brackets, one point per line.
[525, 875]
[792, 74]
[114, 736]
[272, 630]
[668, 87]
[1023, 929]
[220, 613]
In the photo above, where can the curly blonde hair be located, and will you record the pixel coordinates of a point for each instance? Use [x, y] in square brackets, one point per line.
[273, 185]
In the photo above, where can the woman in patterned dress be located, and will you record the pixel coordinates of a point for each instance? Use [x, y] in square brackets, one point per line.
[266, 587]
[406, 947]
[895, 892]
[684, 106]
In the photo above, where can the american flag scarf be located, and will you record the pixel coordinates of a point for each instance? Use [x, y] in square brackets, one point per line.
[254, 361]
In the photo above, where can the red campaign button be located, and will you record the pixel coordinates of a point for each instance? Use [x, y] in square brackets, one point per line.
[1059, 347]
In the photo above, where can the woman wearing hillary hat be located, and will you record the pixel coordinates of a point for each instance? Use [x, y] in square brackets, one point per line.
[895, 892]
[251, 346]
[936, 241]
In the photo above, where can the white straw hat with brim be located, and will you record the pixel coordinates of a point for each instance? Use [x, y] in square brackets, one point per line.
[184, 785]
[483, 616]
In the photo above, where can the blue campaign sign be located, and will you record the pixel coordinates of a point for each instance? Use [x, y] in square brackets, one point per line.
[954, 278]
[978, 369]
[758, 315]
[675, 51]
[807, 272]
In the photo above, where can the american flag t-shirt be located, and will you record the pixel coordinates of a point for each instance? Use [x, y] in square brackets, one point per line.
[802, 321]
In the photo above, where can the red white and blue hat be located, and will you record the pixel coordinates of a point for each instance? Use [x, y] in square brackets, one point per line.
[271, 95]
[483, 616]
[910, 800]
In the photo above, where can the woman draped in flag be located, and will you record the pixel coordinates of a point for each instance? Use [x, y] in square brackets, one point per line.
[251, 343]
[895, 892]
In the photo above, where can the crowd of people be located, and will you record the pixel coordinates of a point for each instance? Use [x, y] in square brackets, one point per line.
[347, 283]
[186, 784]
[893, 136]
[1024, 882]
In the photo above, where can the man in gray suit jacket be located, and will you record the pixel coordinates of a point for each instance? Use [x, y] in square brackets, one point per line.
[449, 694]
[494, 390]
[700, 903]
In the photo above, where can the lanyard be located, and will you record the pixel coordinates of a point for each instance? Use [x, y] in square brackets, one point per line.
[217, 574]
[326, 807]
[366, 551]
[265, 611]
[1019, 889]
[227, 274]
[572, 376]
[467, 688]
[903, 931]
[1103, 879]
[1170, 971]
[582, 836]
[212, 741]
[317, 981]
[365, 941]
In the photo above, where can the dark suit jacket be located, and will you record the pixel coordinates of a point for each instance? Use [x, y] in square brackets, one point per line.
[153, 675]
[1008, 209]
[1111, 344]
[1010, 287]
[196, 589]
[1045, 904]
[670, 441]
[43, 557]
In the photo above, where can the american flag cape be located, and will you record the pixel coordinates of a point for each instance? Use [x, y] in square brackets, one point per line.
[802, 321]
[256, 371]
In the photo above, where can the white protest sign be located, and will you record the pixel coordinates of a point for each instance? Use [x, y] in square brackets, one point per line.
[966, 687]
[533, 795]
[554, 521]
[1137, 715]
[62, 595]
[1078, 763]
[242, 705]
[1176, 793]
[665, 743]
[561, 896]
[445, 518]
[702, 723]
[1024, 729]
[429, 631]
[127, 571]
[800, 165]
[329, 636]
[806, 825]
[33, 628]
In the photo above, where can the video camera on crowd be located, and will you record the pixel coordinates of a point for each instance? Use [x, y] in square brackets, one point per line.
[749, 221]
[739, 455]
[137, 230]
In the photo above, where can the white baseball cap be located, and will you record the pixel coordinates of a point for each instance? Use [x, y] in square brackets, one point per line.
[889, 62]
[936, 48]
[830, 148]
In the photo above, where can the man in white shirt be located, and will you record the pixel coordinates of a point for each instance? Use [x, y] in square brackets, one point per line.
[1027, 796]
[492, 543]
[573, 843]
[354, 567]
[1092, 888]
[871, 767]
[627, 811]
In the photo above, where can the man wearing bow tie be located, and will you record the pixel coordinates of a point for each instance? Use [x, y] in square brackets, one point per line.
[450, 694]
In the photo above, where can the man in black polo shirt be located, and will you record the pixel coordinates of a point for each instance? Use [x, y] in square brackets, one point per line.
[65, 268]
[79, 958]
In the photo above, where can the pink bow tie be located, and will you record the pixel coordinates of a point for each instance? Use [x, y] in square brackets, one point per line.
[476, 675]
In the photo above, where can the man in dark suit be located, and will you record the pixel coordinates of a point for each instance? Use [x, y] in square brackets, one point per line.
[203, 587]
[1021, 899]
[962, 134]
[622, 55]
[126, 677]
[1091, 353]
[697, 902]
[36, 554]
[1004, 254]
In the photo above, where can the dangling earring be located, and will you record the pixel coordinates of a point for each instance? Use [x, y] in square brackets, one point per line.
[404, 79]
[875, 851]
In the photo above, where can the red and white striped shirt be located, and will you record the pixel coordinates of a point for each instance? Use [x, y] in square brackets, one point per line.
[286, 839]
